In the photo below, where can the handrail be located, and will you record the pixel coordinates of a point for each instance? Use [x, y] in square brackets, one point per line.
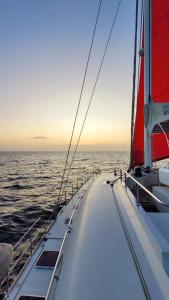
[56, 266]
[26, 252]
[26, 233]
[61, 252]
[74, 192]
[145, 189]
[31, 247]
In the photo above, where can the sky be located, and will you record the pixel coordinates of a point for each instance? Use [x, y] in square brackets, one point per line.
[43, 53]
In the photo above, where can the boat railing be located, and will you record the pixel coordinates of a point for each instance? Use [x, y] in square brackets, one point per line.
[26, 234]
[23, 250]
[74, 188]
[56, 271]
[123, 175]
[31, 239]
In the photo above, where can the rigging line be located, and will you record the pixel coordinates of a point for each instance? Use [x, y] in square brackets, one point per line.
[134, 80]
[150, 49]
[140, 45]
[94, 88]
[139, 64]
[162, 129]
[132, 249]
[80, 97]
[124, 148]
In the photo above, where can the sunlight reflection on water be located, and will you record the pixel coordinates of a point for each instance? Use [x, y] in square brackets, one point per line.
[30, 181]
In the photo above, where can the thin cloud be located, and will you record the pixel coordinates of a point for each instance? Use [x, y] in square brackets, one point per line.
[39, 137]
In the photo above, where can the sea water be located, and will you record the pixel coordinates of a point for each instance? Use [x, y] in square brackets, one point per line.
[30, 183]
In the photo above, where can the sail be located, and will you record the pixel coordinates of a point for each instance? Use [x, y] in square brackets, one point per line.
[160, 87]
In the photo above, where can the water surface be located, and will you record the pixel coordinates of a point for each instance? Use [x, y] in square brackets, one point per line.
[30, 182]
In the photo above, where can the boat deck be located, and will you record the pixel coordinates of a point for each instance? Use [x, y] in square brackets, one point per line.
[99, 264]
[34, 280]
[96, 258]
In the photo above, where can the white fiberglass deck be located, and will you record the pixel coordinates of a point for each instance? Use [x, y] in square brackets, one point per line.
[99, 264]
[96, 260]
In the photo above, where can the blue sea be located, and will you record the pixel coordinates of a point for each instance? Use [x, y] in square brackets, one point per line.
[30, 183]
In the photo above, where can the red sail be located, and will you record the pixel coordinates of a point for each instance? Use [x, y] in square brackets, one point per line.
[160, 84]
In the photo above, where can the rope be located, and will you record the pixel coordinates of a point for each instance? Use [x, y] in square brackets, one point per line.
[93, 91]
[132, 249]
[134, 79]
[162, 129]
[138, 76]
[140, 44]
[80, 97]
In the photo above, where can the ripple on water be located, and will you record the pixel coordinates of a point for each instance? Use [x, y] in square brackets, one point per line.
[18, 186]
[30, 182]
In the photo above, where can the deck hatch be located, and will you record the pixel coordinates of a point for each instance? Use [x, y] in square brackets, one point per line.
[47, 259]
[31, 298]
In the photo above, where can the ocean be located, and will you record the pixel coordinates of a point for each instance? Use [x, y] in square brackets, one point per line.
[30, 183]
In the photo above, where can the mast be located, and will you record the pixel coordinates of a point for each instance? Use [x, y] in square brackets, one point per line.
[147, 76]
[134, 81]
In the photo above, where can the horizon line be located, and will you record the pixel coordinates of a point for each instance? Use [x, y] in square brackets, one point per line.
[82, 150]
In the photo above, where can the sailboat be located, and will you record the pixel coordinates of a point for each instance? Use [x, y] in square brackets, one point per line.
[111, 240]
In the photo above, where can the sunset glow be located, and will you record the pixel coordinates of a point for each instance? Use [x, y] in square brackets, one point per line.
[43, 55]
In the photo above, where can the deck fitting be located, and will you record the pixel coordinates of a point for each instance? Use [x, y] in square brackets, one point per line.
[47, 259]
